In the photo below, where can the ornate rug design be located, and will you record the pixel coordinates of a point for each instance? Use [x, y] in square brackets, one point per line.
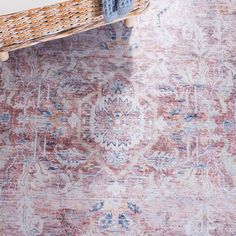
[120, 131]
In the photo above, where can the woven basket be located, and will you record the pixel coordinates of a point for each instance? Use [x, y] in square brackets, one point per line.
[23, 29]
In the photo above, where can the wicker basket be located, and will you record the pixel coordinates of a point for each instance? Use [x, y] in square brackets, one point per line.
[23, 29]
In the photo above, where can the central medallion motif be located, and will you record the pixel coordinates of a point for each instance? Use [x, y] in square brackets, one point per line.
[118, 122]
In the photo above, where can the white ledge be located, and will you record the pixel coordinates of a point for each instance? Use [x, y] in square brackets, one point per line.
[12, 6]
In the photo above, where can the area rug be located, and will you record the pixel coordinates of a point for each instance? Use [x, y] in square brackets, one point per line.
[120, 131]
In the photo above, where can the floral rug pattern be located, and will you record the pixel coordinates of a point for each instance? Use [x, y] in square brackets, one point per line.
[120, 131]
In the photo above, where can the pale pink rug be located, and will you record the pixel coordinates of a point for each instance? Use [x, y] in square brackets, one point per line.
[124, 132]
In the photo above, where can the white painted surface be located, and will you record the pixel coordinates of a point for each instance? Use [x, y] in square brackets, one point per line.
[11, 6]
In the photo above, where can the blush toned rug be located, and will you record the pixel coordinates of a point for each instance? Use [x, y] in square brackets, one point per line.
[124, 132]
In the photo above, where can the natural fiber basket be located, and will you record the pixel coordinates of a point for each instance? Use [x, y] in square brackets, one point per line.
[23, 29]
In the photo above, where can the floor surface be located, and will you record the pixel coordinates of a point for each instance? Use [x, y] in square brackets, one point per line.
[121, 131]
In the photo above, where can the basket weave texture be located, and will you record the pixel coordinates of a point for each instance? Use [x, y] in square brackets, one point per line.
[23, 29]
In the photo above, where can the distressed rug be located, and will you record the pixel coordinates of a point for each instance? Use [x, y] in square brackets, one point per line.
[120, 131]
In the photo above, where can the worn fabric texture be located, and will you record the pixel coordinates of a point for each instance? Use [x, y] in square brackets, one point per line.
[124, 132]
[115, 9]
